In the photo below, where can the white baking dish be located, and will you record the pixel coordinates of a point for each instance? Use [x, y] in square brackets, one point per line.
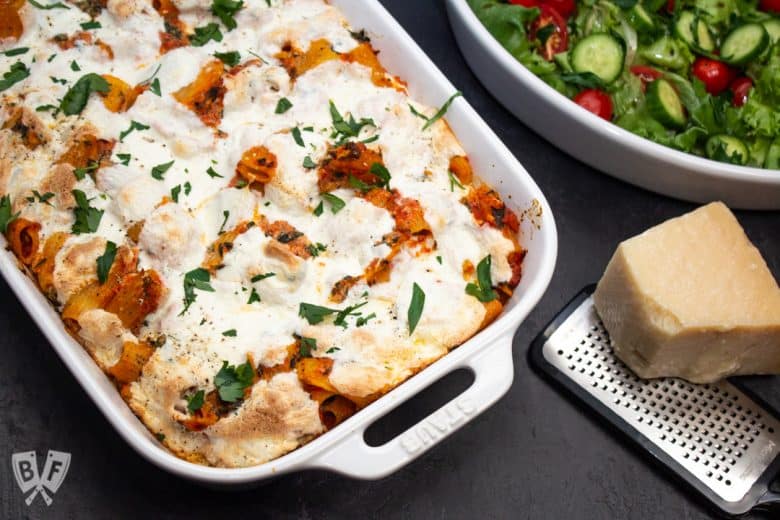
[489, 354]
[599, 143]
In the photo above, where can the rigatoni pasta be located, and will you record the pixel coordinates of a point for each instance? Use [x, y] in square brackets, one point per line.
[241, 215]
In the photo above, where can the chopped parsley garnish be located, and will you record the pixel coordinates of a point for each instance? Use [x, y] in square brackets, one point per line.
[153, 82]
[319, 209]
[315, 314]
[74, 66]
[44, 199]
[6, 215]
[124, 158]
[358, 184]
[283, 106]
[205, 34]
[342, 315]
[253, 297]
[51, 58]
[134, 125]
[82, 171]
[383, 173]
[416, 113]
[306, 346]
[92, 24]
[332, 350]
[196, 279]
[105, 261]
[230, 333]
[175, 191]
[483, 291]
[296, 133]
[360, 35]
[415, 307]
[57, 5]
[316, 249]
[231, 381]
[195, 401]
[285, 237]
[160, 436]
[225, 9]
[263, 276]
[231, 59]
[187, 188]
[454, 182]
[370, 139]
[336, 204]
[61, 81]
[16, 52]
[158, 171]
[308, 163]
[226, 214]
[443, 110]
[87, 217]
[364, 319]
[213, 173]
[154, 88]
[438, 259]
[77, 96]
[47, 108]
[15, 74]
[344, 129]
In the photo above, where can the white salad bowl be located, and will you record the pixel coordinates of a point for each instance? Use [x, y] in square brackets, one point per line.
[599, 143]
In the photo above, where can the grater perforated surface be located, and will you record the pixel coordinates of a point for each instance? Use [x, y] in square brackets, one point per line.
[715, 431]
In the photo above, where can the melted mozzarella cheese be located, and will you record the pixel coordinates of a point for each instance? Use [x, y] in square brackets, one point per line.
[241, 317]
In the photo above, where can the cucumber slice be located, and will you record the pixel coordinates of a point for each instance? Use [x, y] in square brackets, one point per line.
[744, 43]
[772, 161]
[694, 31]
[600, 54]
[665, 52]
[664, 104]
[727, 148]
[640, 19]
[772, 27]
[653, 5]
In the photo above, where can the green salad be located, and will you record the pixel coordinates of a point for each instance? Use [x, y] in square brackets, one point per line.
[701, 76]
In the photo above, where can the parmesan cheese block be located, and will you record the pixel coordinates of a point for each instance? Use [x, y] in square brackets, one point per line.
[692, 298]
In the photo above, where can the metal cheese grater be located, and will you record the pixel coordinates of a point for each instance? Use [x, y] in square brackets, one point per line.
[714, 437]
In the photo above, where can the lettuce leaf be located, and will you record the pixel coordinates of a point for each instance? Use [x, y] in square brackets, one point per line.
[507, 22]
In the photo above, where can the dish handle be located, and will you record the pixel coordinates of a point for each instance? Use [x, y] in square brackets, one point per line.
[352, 456]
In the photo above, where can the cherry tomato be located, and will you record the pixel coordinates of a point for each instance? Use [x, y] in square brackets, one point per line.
[669, 6]
[526, 3]
[770, 6]
[596, 101]
[558, 40]
[741, 87]
[645, 73]
[716, 75]
[565, 8]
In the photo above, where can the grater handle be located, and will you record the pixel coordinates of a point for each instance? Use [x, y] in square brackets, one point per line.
[493, 373]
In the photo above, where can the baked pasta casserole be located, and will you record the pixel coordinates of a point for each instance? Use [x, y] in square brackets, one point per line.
[239, 213]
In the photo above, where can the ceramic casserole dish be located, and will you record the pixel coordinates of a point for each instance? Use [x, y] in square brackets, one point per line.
[488, 354]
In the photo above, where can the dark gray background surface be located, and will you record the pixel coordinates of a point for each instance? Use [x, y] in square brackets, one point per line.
[535, 454]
